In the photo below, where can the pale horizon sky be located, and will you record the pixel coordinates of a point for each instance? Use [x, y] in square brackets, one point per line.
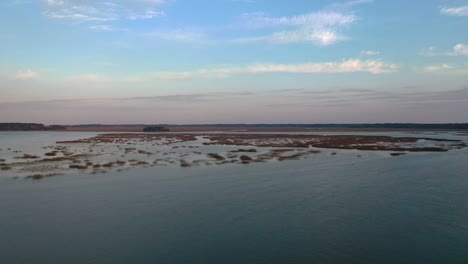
[233, 61]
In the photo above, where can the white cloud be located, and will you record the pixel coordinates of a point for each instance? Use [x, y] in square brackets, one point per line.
[26, 75]
[318, 37]
[321, 27]
[438, 68]
[347, 66]
[457, 50]
[460, 50]
[455, 11]
[370, 52]
[447, 69]
[315, 19]
[101, 10]
[101, 28]
[148, 14]
[80, 13]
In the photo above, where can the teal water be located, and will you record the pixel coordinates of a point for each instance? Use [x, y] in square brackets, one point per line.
[343, 209]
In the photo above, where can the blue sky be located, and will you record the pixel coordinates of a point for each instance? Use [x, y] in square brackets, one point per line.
[233, 61]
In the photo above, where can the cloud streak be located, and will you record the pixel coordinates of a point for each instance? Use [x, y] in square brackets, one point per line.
[101, 11]
[320, 37]
[446, 69]
[331, 106]
[438, 68]
[459, 49]
[347, 66]
[455, 11]
[26, 75]
[321, 28]
[370, 52]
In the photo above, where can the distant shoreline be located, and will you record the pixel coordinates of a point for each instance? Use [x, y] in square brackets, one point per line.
[384, 127]
[250, 129]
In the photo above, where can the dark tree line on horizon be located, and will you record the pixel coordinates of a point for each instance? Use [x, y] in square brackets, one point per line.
[447, 126]
[28, 127]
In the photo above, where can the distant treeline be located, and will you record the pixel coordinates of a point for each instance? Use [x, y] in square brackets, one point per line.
[156, 129]
[28, 127]
[448, 126]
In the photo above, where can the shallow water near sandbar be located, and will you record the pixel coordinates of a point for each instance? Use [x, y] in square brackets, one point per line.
[324, 209]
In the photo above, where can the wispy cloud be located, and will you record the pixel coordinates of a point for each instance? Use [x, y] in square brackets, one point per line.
[101, 10]
[101, 28]
[318, 37]
[447, 69]
[455, 11]
[92, 77]
[148, 14]
[370, 52]
[385, 99]
[80, 13]
[318, 19]
[324, 106]
[438, 68]
[172, 98]
[348, 66]
[196, 97]
[345, 66]
[459, 49]
[318, 28]
[321, 27]
[26, 75]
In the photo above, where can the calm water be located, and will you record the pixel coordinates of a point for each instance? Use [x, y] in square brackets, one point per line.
[341, 209]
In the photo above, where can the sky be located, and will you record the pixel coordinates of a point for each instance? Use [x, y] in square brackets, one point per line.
[233, 61]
